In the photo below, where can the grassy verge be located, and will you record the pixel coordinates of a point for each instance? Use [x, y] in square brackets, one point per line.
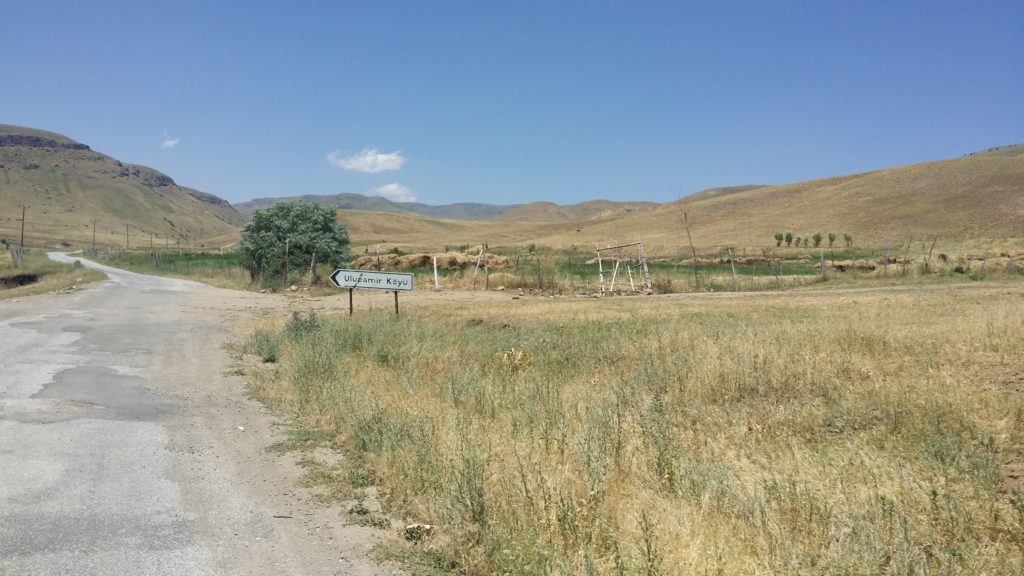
[39, 275]
[223, 270]
[216, 269]
[569, 272]
[803, 433]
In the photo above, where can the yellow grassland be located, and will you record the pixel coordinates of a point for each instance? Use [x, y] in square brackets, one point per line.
[858, 431]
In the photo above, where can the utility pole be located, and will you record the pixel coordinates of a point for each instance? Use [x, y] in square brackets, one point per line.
[150, 241]
[22, 243]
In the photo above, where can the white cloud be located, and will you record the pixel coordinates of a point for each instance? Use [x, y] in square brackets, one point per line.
[370, 161]
[394, 192]
[170, 143]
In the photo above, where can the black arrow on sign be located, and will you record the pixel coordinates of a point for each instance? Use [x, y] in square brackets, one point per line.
[334, 278]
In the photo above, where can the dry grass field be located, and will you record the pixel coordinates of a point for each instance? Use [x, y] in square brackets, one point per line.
[853, 431]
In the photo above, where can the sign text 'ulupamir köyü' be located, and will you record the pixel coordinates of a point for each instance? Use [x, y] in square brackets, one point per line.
[369, 279]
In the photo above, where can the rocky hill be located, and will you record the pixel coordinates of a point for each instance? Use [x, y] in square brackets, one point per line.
[66, 186]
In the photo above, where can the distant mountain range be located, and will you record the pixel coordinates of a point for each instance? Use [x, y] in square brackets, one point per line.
[461, 211]
[532, 212]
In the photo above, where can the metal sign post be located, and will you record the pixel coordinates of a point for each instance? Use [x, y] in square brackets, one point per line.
[390, 281]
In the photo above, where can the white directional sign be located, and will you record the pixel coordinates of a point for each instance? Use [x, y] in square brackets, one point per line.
[369, 279]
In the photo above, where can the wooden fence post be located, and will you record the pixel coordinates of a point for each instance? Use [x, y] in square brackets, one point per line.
[732, 264]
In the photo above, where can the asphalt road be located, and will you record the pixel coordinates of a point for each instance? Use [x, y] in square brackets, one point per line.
[125, 450]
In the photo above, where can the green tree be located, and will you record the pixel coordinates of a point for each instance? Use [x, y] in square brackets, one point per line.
[304, 230]
[817, 239]
[779, 237]
[831, 239]
[848, 239]
[789, 238]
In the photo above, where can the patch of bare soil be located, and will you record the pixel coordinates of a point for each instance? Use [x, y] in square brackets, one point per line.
[1010, 378]
[1007, 377]
[1013, 469]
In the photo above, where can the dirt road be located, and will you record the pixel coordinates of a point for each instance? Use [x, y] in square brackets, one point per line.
[125, 449]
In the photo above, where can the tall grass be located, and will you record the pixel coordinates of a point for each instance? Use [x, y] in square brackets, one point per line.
[572, 272]
[795, 434]
[224, 270]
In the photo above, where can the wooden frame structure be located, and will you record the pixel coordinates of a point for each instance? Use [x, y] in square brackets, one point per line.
[625, 263]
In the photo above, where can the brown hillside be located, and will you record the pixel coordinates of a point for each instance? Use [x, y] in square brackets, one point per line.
[550, 212]
[974, 197]
[979, 196]
[535, 212]
[720, 191]
[596, 209]
[422, 233]
[66, 186]
[1012, 151]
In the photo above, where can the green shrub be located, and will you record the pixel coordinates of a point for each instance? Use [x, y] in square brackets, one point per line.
[266, 345]
[300, 326]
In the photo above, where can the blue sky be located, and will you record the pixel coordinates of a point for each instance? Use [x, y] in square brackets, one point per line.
[508, 102]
